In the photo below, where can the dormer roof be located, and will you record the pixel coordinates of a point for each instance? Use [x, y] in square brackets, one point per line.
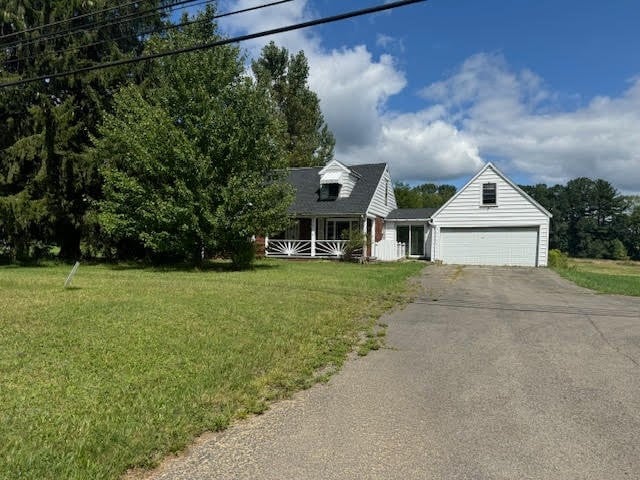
[307, 180]
[334, 165]
[331, 177]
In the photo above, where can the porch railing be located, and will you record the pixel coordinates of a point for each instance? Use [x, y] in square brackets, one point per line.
[305, 248]
[288, 248]
[330, 248]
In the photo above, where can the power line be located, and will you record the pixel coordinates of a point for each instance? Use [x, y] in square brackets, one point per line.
[108, 40]
[71, 19]
[132, 16]
[152, 31]
[218, 43]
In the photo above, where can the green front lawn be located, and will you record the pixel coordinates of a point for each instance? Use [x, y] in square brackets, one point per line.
[133, 363]
[607, 276]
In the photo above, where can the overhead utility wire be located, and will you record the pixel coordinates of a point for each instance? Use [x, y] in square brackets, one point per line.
[149, 32]
[72, 19]
[218, 43]
[107, 40]
[132, 16]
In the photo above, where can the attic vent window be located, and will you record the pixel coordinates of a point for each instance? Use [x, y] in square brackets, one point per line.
[329, 191]
[488, 194]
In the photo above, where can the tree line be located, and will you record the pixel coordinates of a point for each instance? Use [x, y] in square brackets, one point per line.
[591, 219]
[162, 161]
[427, 195]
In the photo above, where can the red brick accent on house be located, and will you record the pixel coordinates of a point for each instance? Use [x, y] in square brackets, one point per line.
[379, 224]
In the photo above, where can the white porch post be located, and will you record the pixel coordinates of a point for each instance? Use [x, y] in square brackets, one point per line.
[364, 232]
[313, 236]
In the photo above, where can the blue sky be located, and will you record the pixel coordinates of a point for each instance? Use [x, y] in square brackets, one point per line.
[548, 90]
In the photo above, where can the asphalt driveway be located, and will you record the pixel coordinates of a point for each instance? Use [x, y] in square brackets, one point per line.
[493, 373]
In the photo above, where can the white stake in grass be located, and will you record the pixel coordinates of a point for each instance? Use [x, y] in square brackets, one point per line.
[67, 282]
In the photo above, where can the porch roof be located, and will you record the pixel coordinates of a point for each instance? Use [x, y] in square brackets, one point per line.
[306, 182]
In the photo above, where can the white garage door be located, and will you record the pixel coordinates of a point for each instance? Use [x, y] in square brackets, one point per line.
[489, 246]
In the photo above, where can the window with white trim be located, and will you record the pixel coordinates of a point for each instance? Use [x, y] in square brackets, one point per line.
[329, 191]
[338, 229]
[489, 194]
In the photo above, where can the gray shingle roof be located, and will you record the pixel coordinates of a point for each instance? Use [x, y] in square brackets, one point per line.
[306, 182]
[411, 213]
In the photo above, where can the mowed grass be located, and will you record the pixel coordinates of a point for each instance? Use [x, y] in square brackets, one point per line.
[608, 276]
[132, 364]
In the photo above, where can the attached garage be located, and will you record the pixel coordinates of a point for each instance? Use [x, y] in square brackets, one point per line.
[490, 221]
[517, 246]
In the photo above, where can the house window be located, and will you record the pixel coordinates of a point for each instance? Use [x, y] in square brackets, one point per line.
[413, 237]
[339, 229]
[329, 191]
[488, 194]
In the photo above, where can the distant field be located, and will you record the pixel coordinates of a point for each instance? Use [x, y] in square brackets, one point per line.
[133, 363]
[608, 276]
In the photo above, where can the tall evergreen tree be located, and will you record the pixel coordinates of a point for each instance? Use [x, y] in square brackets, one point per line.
[309, 141]
[46, 179]
[590, 218]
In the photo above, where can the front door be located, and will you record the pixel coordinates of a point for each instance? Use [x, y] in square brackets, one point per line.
[417, 241]
[413, 237]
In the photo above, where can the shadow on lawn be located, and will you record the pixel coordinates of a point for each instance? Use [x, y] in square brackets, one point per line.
[210, 266]
[218, 266]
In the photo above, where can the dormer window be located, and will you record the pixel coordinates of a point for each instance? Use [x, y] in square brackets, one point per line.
[329, 191]
[336, 181]
[489, 195]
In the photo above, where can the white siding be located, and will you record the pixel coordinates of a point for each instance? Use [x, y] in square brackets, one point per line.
[512, 209]
[390, 230]
[543, 245]
[348, 182]
[346, 179]
[378, 207]
[428, 239]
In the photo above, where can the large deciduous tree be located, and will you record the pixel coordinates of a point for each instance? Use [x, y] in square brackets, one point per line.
[308, 140]
[190, 160]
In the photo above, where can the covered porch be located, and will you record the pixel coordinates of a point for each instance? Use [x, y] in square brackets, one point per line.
[319, 237]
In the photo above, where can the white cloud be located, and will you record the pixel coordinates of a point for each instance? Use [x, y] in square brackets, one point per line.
[354, 86]
[512, 116]
[351, 84]
[390, 43]
[483, 109]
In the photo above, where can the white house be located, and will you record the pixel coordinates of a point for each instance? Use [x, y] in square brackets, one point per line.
[330, 201]
[490, 221]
